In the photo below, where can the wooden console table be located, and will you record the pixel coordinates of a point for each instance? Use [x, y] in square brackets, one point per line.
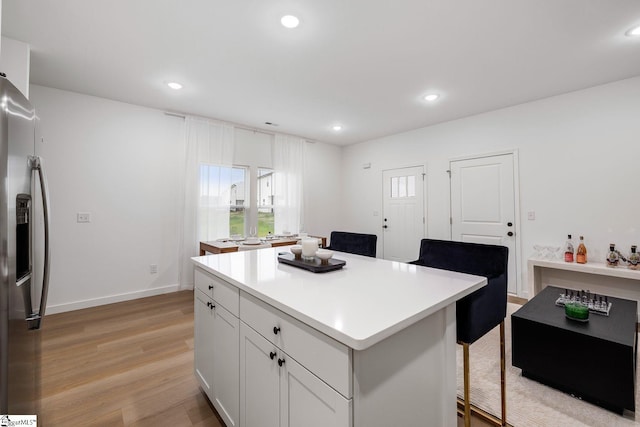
[620, 281]
[218, 247]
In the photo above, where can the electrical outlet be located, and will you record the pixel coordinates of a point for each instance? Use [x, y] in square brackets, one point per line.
[153, 268]
[531, 215]
[83, 217]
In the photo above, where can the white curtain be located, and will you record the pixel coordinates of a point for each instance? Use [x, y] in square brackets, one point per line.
[288, 166]
[205, 197]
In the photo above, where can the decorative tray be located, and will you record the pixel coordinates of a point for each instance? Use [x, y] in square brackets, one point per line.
[315, 266]
[596, 305]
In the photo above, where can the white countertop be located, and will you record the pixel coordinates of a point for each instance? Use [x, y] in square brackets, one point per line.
[366, 301]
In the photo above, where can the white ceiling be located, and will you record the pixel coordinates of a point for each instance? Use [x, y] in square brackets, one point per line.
[361, 63]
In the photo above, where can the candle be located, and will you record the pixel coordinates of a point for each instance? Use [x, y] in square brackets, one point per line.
[309, 248]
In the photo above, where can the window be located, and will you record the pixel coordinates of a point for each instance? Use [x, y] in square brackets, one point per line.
[403, 186]
[264, 202]
[238, 196]
[219, 185]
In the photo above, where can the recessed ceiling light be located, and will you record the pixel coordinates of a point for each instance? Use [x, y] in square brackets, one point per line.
[289, 21]
[431, 97]
[633, 32]
[337, 128]
[174, 85]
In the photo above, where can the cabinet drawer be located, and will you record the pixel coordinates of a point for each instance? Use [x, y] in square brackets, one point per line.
[223, 293]
[320, 354]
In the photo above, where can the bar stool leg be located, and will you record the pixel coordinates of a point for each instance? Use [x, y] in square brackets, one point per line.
[467, 401]
[503, 374]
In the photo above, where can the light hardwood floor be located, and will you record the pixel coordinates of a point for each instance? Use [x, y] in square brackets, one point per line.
[125, 364]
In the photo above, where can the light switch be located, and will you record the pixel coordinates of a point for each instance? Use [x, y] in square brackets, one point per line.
[531, 216]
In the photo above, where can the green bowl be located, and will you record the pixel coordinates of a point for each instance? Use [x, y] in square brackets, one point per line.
[577, 311]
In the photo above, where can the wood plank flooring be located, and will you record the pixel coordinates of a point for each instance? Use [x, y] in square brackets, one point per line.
[125, 364]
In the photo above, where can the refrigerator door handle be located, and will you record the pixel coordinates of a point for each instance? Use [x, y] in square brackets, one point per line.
[37, 165]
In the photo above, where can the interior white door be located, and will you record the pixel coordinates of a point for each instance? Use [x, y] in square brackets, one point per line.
[403, 219]
[483, 205]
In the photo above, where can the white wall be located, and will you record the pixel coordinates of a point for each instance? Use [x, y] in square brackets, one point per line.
[578, 161]
[122, 163]
[118, 162]
[323, 186]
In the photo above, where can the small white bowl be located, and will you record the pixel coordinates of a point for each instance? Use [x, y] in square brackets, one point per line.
[296, 250]
[324, 255]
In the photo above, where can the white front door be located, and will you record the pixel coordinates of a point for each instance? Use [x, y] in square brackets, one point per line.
[403, 218]
[483, 205]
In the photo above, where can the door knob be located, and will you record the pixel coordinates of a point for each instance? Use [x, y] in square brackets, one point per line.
[276, 329]
[385, 226]
[280, 362]
[510, 233]
[509, 224]
[272, 355]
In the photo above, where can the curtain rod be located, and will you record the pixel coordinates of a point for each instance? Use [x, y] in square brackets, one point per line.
[236, 125]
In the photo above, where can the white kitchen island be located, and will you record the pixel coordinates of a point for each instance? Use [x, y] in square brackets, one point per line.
[372, 344]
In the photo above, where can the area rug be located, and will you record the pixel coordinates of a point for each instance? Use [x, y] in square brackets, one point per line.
[529, 403]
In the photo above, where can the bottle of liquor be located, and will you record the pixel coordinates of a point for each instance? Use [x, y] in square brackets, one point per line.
[581, 254]
[612, 257]
[568, 250]
[634, 259]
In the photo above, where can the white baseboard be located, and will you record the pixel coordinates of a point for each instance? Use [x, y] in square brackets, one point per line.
[77, 305]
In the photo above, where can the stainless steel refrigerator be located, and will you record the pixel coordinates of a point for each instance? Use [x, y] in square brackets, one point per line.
[24, 252]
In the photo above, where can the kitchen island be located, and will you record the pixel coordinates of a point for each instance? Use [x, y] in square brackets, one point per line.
[372, 344]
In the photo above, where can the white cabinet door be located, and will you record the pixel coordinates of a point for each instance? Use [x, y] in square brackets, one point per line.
[226, 372]
[259, 380]
[203, 347]
[307, 401]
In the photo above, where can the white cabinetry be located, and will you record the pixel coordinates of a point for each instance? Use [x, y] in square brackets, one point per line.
[276, 391]
[15, 62]
[372, 345]
[203, 339]
[260, 379]
[216, 346]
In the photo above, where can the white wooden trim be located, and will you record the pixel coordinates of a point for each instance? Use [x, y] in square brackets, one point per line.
[94, 302]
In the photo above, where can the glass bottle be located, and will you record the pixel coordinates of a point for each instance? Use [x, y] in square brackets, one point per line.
[568, 250]
[612, 257]
[581, 254]
[634, 259]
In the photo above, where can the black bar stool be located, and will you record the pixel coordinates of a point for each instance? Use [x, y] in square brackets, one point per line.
[481, 311]
[353, 243]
